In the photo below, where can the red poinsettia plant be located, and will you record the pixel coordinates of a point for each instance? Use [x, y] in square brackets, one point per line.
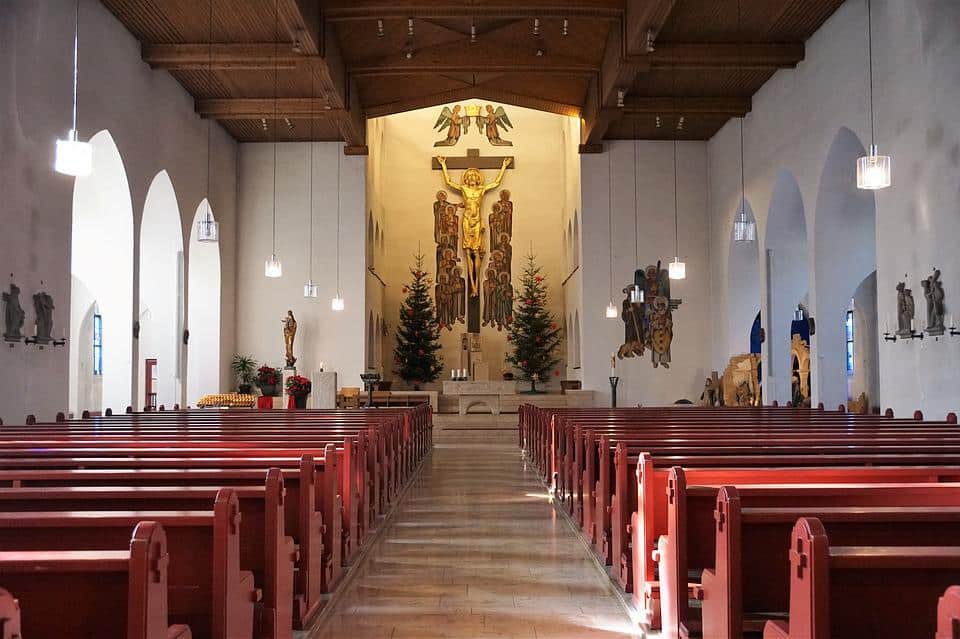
[298, 385]
[268, 376]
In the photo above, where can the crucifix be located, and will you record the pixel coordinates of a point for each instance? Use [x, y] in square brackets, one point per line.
[472, 188]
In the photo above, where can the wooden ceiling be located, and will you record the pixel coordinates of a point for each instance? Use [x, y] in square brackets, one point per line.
[648, 69]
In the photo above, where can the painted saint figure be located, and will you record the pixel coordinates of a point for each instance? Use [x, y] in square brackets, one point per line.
[289, 334]
[472, 188]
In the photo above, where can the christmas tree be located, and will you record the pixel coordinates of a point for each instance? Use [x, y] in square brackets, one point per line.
[534, 334]
[418, 333]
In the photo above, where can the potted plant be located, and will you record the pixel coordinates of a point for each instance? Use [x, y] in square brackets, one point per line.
[268, 378]
[243, 367]
[298, 387]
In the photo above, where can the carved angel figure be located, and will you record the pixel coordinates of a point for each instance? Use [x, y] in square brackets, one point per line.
[453, 122]
[492, 121]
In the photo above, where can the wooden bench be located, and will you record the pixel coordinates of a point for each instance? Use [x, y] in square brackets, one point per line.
[750, 583]
[688, 548]
[9, 616]
[881, 592]
[120, 593]
[948, 614]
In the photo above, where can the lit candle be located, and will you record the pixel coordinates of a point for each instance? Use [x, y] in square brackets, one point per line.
[911, 323]
[321, 367]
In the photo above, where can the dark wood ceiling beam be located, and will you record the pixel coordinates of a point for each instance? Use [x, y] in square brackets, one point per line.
[733, 107]
[266, 108]
[619, 67]
[225, 57]
[344, 10]
[721, 56]
[479, 92]
[490, 56]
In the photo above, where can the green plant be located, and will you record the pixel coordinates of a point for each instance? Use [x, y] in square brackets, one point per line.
[298, 386]
[244, 368]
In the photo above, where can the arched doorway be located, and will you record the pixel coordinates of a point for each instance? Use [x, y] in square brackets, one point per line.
[101, 267]
[787, 271]
[161, 296]
[845, 248]
[203, 304]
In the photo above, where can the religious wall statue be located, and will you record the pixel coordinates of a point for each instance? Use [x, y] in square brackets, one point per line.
[453, 122]
[492, 121]
[472, 188]
[289, 334]
[449, 290]
[648, 324]
[43, 307]
[933, 292]
[13, 314]
[905, 310]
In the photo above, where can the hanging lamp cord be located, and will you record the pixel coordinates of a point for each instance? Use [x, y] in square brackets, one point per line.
[276, 84]
[870, 66]
[313, 92]
[636, 197]
[609, 213]
[76, 47]
[743, 189]
[676, 206]
[338, 220]
[210, 121]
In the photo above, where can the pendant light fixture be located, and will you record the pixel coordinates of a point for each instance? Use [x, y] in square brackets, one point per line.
[744, 229]
[676, 270]
[873, 169]
[612, 312]
[273, 268]
[207, 227]
[310, 289]
[74, 157]
[337, 303]
[636, 291]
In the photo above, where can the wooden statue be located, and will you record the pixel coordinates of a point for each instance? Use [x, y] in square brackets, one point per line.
[800, 380]
[933, 292]
[43, 307]
[739, 384]
[712, 394]
[13, 315]
[472, 188]
[905, 310]
[289, 335]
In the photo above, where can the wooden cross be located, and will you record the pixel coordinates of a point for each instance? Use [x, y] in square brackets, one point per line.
[473, 160]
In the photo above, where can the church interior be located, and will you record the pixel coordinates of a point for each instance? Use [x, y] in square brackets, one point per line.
[482, 319]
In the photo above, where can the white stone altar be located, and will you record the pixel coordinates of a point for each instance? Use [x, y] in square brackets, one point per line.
[323, 392]
[487, 393]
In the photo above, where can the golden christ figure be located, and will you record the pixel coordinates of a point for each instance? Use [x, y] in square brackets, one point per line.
[472, 189]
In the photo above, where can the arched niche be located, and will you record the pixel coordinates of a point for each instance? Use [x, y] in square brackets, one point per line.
[787, 268]
[203, 304]
[101, 266]
[161, 295]
[743, 289]
[846, 253]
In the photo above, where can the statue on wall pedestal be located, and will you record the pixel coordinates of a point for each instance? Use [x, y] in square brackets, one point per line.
[13, 314]
[43, 306]
[289, 335]
[933, 292]
[905, 310]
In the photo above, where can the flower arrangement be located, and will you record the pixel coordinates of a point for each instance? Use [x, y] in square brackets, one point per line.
[298, 386]
[268, 376]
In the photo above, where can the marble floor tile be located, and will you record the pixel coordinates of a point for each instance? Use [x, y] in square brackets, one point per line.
[476, 551]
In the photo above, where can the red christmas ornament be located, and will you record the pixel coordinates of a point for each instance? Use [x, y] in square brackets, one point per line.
[556, 373]
[420, 352]
[538, 278]
[537, 340]
[509, 338]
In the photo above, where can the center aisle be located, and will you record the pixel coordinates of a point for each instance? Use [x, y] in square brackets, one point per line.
[476, 550]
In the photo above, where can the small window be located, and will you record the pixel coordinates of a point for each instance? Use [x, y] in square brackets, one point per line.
[98, 344]
[849, 336]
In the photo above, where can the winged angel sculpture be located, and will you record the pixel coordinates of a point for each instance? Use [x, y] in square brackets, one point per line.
[488, 123]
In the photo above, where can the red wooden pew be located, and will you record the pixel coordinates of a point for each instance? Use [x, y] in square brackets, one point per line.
[948, 614]
[9, 616]
[880, 592]
[118, 593]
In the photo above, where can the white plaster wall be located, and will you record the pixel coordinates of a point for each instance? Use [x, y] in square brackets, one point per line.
[337, 339]
[152, 120]
[796, 117]
[653, 225]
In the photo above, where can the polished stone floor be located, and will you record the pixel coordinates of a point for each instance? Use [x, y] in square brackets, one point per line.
[476, 550]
